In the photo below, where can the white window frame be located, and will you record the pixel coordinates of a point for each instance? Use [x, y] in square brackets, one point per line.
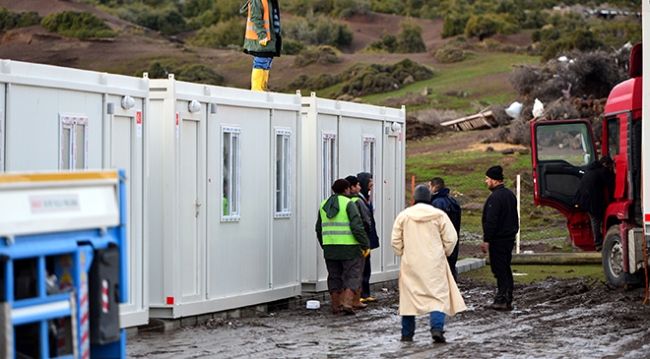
[231, 169]
[282, 173]
[369, 153]
[329, 155]
[69, 149]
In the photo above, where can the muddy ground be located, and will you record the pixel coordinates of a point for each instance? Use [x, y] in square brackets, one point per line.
[568, 318]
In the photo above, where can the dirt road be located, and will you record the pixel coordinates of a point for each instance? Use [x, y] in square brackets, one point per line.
[569, 318]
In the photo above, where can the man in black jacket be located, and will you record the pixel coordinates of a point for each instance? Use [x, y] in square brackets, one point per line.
[597, 181]
[500, 226]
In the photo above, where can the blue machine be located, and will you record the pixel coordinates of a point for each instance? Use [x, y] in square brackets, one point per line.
[62, 264]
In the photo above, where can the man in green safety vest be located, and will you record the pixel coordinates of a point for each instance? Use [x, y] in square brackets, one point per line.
[341, 235]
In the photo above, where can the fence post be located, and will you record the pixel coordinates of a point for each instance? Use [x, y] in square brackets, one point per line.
[518, 237]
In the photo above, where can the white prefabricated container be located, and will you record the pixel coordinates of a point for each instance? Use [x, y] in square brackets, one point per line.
[55, 118]
[222, 247]
[340, 139]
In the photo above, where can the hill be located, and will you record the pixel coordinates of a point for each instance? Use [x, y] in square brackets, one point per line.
[135, 47]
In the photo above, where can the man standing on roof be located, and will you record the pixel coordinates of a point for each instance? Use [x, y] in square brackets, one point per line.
[262, 39]
[344, 242]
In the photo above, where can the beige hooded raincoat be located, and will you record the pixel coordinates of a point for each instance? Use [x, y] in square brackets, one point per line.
[424, 236]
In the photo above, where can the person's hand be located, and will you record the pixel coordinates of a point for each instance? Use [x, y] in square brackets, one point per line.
[264, 41]
[366, 253]
[484, 247]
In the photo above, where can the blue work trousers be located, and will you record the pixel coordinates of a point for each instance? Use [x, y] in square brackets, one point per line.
[436, 321]
[263, 63]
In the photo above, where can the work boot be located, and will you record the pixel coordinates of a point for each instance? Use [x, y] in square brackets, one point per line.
[406, 339]
[356, 301]
[336, 302]
[499, 306]
[438, 336]
[346, 301]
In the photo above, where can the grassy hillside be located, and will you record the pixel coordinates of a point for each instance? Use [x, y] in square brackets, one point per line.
[465, 86]
[463, 169]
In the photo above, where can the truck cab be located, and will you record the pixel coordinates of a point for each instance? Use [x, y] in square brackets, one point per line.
[561, 150]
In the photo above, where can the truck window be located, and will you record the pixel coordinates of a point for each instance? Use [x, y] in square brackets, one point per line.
[613, 137]
[571, 143]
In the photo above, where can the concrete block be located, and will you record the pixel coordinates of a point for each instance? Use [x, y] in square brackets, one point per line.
[203, 318]
[160, 325]
[220, 315]
[234, 314]
[188, 322]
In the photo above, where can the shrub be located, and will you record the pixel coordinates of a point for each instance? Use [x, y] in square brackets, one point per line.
[322, 55]
[409, 40]
[222, 34]
[318, 30]
[292, 47]
[166, 20]
[198, 73]
[346, 8]
[191, 73]
[454, 24]
[81, 25]
[381, 78]
[387, 6]
[10, 19]
[388, 44]
[449, 54]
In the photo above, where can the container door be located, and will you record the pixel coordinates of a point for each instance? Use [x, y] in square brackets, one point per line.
[192, 248]
[560, 152]
[127, 153]
[390, 161]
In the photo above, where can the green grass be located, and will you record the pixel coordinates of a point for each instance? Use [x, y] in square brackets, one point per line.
[464, 174]
[538, 273]
[476, 76]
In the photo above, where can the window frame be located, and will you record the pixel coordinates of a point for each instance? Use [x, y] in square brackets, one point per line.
[329, 156]
[233, 168]
[283, 191]
[369, 153]
[71, 123]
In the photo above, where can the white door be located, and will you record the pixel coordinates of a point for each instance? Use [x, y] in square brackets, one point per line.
[192, 208]
[126, 153]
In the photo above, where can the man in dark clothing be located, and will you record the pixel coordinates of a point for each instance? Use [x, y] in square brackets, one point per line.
[344, 241]
[500, 226]
[441, 199]
[365, 179]
[355, 189]
[598, 178]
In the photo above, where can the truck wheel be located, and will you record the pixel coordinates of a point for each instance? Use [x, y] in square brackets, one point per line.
[613, 257]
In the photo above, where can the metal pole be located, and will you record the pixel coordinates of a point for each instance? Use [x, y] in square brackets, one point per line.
[518, 237]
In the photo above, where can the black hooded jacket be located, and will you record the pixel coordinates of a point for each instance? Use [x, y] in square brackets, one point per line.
[591, 193]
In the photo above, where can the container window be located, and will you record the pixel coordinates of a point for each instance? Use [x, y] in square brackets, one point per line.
[282, 173]
[231, 174]
[329, 155]
[73, 143]
[369, 154]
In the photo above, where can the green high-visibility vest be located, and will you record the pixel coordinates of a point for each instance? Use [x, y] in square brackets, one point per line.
[337, 230]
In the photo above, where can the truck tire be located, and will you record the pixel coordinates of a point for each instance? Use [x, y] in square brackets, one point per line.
[613, 257]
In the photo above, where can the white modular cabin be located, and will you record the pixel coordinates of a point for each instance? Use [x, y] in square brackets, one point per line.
[61, 119]
[226, 166]
[340, 139]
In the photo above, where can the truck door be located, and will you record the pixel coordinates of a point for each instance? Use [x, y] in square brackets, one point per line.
[560, 152]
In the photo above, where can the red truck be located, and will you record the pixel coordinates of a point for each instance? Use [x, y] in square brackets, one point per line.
[562, 149]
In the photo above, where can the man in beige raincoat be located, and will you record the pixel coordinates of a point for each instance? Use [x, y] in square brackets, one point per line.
[424, 236]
